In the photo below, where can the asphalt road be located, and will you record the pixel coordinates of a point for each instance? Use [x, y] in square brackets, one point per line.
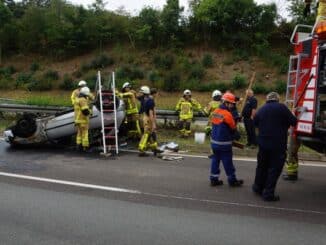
[87, 199]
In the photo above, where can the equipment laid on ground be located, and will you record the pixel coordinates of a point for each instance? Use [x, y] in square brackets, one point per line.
[306, 88]
[38, 130]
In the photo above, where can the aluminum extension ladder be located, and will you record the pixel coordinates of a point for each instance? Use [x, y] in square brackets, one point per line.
[107, 98]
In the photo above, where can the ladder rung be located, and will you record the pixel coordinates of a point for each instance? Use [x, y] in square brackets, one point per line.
[110, 137]
[108, 110]
[109, 127]
[107, 93]
[111, 145]
[291, 86]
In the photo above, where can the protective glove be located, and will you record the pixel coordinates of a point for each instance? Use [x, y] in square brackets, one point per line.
[85, 112]
[208, 131]
[306, 10]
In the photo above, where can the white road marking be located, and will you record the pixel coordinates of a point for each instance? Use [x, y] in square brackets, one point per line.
[69, 183]
[137, 192]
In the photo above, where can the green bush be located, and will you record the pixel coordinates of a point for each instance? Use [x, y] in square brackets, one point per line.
[68, 83]
[129, 72]
[6, 83]
[197, 71]
[85, 67]
[163, 62]
[153, 76]
[260, 89]
[280, 87]
[7, 71]
[208, 60]
[207, 87]
[101, 61]
[241, 54]
[51, 75]
[239, 82]
[23, 79]
[91, 79]
[40, 85]
[34, 67]
[171, 81]
[191, 84]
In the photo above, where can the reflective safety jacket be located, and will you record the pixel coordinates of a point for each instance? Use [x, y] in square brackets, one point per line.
[82, 104]
[74, 96]
[130, 101]
[212, 105]
[223, 128]
[186, 108]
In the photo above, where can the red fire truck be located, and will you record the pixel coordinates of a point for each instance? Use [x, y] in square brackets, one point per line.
[306, 88]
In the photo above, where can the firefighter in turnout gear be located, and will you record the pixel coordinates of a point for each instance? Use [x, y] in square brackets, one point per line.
[186, 107]
[75, 94]
[223, 131]
[132, 117]
[149, 138]
[82, 112]
[212, 105]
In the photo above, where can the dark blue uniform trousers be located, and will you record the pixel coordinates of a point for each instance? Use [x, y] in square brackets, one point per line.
[270, 164]
[250, 129]
[226, 157]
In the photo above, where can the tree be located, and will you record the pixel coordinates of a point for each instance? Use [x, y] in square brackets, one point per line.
[148, 26]
[171, 17]
[5, 19]
[295, 9]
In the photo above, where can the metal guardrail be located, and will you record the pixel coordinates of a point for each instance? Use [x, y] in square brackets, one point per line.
[19, 108]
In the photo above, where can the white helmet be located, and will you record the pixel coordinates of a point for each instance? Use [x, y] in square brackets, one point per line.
[85, 91]
[82, 83]
[216, 93]
[144, 90]
[126, 85]
[187, 92]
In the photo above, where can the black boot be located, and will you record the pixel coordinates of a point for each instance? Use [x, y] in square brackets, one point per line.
[216, 182]
[236, 183]
[271, 199]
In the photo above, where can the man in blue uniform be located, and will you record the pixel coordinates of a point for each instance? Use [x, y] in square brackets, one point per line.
[273, 121]
[248, 114]
[223, 129]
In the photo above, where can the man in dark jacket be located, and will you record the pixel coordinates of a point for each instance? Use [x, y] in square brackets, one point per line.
[273, 121]
[248, 114]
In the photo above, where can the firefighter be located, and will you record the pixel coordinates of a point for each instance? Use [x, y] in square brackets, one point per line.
[82, 112]
[186, 107]
[149, 139]
[75, 93]
[321, 11]
[273, 121]
[132, 116]
[212, 105]
[223, 130]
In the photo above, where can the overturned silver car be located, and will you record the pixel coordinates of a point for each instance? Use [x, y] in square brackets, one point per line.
[51, 129]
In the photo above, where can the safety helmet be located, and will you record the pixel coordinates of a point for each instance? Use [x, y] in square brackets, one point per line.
[228, 97]
[82, 83]
[126, 85]
[216, 93]
[187, 92]
[85, 91]
[273, 96]
[144, 90]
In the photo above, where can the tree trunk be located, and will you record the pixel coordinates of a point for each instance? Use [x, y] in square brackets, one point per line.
[0, 54]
